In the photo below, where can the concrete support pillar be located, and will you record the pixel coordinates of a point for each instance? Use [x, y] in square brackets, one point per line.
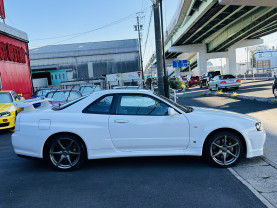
[231, 67]
[202, 61]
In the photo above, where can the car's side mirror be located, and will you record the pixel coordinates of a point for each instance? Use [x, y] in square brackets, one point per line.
[172, 112]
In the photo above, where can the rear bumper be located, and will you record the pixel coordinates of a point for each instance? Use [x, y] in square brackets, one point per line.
[232, 85]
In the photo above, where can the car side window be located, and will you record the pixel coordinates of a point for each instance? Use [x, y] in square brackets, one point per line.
[15, 96]
[140, 105]
[101, 106]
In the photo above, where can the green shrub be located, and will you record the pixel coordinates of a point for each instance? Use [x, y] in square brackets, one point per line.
[274, 101]
[175, 84]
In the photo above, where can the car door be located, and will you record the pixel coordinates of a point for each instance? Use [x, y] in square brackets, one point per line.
[141, 123]
[94, 123]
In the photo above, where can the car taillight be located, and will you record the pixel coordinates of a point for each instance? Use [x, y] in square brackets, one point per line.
[223, 82]
[208, 78]
[238, 80]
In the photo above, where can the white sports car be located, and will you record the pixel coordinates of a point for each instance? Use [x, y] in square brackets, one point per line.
[126, 123]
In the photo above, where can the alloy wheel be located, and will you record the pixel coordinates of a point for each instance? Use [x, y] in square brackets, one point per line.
[65, 153]
[225, 150]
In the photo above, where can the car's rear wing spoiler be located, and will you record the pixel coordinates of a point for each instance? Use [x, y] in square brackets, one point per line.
[28, 105]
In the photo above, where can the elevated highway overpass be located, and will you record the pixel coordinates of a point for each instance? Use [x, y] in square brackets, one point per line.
[210, 29]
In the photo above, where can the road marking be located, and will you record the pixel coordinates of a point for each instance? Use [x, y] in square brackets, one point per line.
[251, 188]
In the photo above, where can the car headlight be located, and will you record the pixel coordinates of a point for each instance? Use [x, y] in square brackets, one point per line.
[4, 114]
[259, 126]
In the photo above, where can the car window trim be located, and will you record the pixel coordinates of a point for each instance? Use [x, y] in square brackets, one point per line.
[85, 110]
[141, 94]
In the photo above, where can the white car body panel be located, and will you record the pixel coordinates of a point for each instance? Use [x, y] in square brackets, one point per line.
[182, 134]
[230, 83]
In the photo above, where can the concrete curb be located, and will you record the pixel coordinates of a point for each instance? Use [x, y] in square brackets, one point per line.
[269, 100]
[252, 189]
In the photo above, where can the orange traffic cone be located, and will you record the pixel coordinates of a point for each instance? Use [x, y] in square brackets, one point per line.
[244, 77]
[253, 77]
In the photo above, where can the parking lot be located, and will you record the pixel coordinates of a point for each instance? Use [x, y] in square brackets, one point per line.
[151, 181]
[260, 174]
[127, 182]
[251, 88]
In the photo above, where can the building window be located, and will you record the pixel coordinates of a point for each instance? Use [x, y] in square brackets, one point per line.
[270, 54]
[261, 55]
[55, 76]
[63, 76]
[52, 77]
[59, 76]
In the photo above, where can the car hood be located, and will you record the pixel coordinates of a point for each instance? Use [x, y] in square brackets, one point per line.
[4, 107]
[223, 113]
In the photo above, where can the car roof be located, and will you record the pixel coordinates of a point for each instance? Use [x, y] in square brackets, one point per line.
[127, 91]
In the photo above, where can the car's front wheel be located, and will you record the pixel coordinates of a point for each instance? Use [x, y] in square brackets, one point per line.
[223, 149]
[65, 152]
[275, 91]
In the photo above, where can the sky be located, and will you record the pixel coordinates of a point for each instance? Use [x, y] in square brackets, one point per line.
[50, 22]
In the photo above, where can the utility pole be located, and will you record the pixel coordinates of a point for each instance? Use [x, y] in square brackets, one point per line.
[159, 54]
[166, 90]
[138, 28]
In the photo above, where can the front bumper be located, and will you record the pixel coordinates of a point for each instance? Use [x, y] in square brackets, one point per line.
[255, 143]
[7, 122]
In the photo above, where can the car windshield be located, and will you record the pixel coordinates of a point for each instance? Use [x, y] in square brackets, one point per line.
[90, 89]
[63, 95]
[5, 98]
[182, 108]
[226, 77]
[69, 103]
[42, 92]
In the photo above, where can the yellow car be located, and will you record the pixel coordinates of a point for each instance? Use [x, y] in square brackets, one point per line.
[8, 111]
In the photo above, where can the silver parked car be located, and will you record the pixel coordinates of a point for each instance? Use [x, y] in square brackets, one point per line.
[224, 82]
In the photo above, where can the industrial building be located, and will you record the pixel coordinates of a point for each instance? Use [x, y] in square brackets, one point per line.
[84, 61]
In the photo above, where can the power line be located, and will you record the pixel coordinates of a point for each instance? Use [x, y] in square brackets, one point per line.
[148, 30]
[89, 31]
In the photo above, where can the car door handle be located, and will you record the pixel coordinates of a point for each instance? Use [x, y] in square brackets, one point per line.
[120, 121]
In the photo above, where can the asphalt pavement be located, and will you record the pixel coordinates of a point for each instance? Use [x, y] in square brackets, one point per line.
[259, 174]
[123, 182]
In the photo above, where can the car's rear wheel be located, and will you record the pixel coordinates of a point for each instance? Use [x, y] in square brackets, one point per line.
[275, 92]
[209, 87]
[65, 152]
[217, 88]
[223, 149]
[200, 85]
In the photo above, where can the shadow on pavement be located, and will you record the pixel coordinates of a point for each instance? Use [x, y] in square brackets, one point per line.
[230, 104]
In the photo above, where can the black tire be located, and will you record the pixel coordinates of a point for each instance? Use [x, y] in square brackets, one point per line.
[209, 87]
[200, 85]
[207, 84]
[220, 145]
[217, 88]
[236, 88]
[275, 92]
[65, 152]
